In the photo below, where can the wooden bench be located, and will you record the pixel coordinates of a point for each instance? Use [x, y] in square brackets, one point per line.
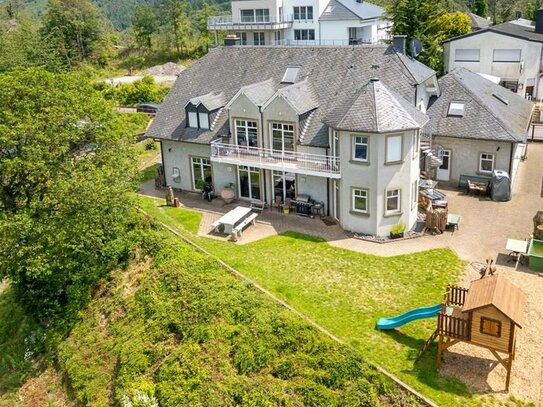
[237, 231]
[480, 188]
[463, 181]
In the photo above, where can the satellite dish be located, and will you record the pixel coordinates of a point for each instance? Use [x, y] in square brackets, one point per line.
[415, 46]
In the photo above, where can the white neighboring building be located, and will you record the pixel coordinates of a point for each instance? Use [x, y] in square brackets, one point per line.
[512, 51]
[303, 22]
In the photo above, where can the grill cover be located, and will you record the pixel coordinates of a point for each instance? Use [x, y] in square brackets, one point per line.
[501, 186]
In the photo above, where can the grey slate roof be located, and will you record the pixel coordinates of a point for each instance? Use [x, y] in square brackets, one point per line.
[211, 101]
[335, 74]
[510, 29]
[300, 96]
[350, 10]
[376, 109]
[419, 71]
[478, 22]
[485, 116]
[259, 92]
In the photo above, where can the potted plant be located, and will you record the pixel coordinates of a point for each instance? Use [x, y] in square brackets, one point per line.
[397, 230]
[228, 194]
[200, 185]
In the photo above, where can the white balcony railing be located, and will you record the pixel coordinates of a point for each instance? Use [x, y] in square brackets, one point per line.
[280, 160]
[226, 22]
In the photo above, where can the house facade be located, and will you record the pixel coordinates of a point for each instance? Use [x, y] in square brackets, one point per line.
[511, 51]
[339, 125]
[302, 22]
[478, 127]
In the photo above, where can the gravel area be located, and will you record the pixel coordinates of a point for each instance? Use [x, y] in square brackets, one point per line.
[168, 69]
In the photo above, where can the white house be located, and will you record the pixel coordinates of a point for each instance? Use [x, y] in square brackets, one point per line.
[478, 127]
[511, 51]
[336, 124]
[303, 22]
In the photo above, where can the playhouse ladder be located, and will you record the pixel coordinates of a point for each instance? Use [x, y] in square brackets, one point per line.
[427, 344]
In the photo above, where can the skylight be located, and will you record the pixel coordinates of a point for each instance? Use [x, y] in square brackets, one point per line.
[501, 98]
[291, 74]
[456, 109]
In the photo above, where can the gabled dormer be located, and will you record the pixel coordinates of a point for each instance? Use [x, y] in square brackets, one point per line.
[202, 111]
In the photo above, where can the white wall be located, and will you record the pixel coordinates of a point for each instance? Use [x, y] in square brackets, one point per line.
[486, 43]
[272, 5]
[177, 154]
[339, 30]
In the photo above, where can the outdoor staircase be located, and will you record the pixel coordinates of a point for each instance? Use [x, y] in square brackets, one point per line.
[427, 344]
[428, 151]
[536, 118]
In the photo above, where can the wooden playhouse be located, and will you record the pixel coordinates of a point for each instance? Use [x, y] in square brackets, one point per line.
[488, 314]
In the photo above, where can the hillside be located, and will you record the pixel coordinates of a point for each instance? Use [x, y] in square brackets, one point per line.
[178, 329]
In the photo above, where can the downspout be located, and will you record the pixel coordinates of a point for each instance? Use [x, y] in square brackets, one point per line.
[263, 145]
[511, 161]
[163, 165]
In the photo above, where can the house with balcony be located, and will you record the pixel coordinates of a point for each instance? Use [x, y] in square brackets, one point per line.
[307, 22]
[512, 52]
[338, 124]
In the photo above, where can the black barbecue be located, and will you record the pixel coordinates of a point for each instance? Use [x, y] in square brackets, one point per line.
[303, 205]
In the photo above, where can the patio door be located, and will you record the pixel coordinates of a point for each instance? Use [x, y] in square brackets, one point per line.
[284, 185]
[249, 182]
[444, 170]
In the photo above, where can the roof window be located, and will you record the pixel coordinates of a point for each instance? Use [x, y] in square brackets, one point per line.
[291, 74]
[501, 98]
[456, 109]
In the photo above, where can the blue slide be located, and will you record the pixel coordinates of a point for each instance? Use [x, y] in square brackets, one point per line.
[414, 314]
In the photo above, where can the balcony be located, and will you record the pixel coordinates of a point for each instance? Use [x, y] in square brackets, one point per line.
[288, 161]
[247, 23]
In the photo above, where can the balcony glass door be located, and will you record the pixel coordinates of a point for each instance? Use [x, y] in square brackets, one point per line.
[246, 133]
[284, 185]
[249, 182]
[282, 137]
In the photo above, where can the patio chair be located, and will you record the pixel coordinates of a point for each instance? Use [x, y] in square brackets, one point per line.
[476, 187]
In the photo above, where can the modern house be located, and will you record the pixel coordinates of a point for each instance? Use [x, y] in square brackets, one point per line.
[511, 51]
[337, 124]
[477, 126]
[309, 22]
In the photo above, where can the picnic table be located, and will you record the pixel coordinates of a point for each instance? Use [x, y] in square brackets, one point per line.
[230, 219]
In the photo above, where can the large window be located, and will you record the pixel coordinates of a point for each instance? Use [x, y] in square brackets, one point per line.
[193, 120]
[260, 15]
[259, 38]
[284, 186]
[242, 35]
[360, 200]
[282, 136]
[249, 182]
[393, 202]
[491, 327]
[506, 55]
[393, 149]
[304, 35]
[203, 120]
[467, 55]
[360, 148]
[486, 162]
[246, 133]
[201, 171]
[303, 13]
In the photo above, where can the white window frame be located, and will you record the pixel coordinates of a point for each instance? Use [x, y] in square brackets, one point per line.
[415, 192]
[470, 55]
[203, 120]
[393, 193]
[360, 143]
[487, 157]
[301, 13]
[202, 162]
[283, 128]
[360, 193]
[502, 58]
[416, 143]
[242, 35]
[389, 158]
[245, 126]
[259, 38]
[299, 34]
[192, 117]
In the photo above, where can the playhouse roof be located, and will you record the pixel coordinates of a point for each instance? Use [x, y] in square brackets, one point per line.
[499, 292]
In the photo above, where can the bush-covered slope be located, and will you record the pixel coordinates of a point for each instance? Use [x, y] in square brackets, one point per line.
[180, 330]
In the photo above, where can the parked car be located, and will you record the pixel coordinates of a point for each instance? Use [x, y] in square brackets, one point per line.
[150, 108]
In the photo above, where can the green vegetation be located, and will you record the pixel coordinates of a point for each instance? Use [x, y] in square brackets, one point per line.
[144, 90]
[346, 292]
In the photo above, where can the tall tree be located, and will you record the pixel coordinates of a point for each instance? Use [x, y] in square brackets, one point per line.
[179, 25]
[145, 24]
[65, 177]
[75, 27]
[480, 7]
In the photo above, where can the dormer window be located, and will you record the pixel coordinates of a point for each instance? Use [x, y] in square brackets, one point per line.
[203, 120]
[193, 119]
[202, 111]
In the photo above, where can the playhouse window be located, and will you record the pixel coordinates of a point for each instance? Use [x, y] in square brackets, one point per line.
[491, 327]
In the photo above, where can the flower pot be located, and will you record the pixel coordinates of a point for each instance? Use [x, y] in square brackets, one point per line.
[396, 235]
[228, 195]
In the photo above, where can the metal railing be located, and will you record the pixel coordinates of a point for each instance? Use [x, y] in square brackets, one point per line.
[292, 161]
[216, 21]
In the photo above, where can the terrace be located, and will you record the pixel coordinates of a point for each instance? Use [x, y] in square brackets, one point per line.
[246, 23]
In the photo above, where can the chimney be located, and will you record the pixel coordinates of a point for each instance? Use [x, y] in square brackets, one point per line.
[398, 43]
[539, 21]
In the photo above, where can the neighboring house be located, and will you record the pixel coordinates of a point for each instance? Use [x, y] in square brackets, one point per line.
[336, 123]
[477, 126]
[308, 22]
[511, 51]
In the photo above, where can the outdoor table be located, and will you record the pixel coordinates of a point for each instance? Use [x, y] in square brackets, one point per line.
[230, 219]
[517, 248]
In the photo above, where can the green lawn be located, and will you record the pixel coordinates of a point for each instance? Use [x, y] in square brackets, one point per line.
[346, 292]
